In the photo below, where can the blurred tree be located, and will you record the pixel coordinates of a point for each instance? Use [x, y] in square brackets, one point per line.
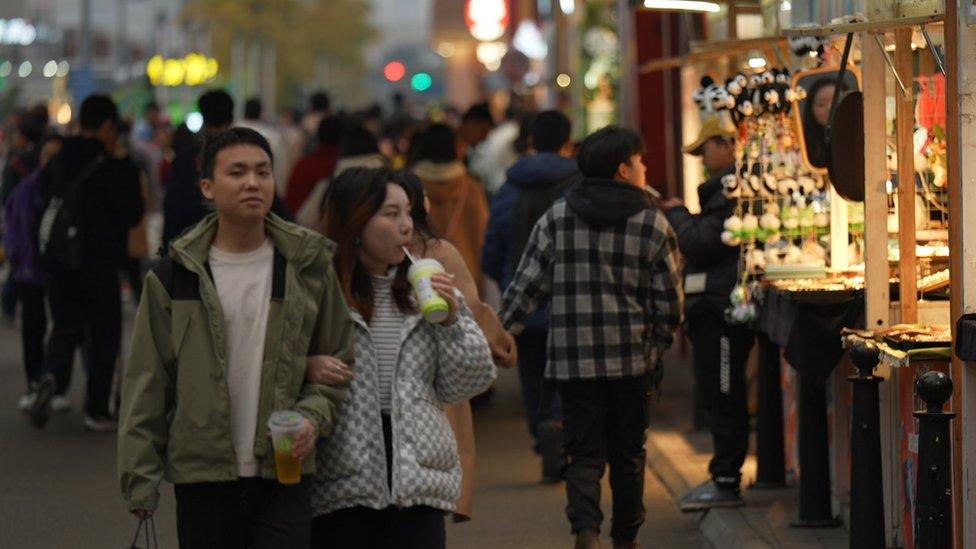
[306, 35]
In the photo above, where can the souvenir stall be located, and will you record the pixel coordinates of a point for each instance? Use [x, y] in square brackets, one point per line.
[811, 233]
[794, 233]
[837, 248]
[905, 242]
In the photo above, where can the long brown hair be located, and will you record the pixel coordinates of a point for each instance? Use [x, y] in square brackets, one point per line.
[351, 200]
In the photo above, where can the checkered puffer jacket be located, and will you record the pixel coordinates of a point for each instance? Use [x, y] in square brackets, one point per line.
[438, 365]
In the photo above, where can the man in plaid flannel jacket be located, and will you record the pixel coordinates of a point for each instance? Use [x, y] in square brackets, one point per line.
[608, 261]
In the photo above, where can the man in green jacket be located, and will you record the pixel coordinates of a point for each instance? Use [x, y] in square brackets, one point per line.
[224, 327]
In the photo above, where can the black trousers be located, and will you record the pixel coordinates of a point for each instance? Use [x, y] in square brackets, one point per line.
[605, 422]
[540, 396]
[87, 312]
[720, 353]
[391, 528]
[243, 514]
[33, 319]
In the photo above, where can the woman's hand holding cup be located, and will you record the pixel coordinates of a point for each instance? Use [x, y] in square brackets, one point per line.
[443, 284]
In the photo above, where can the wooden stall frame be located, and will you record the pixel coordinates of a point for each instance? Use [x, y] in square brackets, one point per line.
[874, 84]
[960, 43]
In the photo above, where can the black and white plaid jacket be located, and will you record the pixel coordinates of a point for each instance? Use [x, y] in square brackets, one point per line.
[615, 285]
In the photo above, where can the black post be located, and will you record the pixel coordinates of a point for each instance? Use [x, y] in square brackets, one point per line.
[771, 466]
[816, 510]
[933, 493]
[867, 494]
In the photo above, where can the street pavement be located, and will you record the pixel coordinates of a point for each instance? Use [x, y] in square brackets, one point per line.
[59, 486]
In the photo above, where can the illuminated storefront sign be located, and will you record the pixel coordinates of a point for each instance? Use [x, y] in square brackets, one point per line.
[193, 70]
[486, 19]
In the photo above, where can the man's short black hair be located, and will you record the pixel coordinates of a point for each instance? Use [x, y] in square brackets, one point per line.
[359, 141]
[329, 131]
[223, 139]
[603, 151]
[31, 128]
[217, 109]
[96, 110]
[253, 109]
[478, 113]
[549, 131]
[151, 106]
[436, 144]
[319, 101]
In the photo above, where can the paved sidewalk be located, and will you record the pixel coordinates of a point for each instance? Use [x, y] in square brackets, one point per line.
[60, 489]
[680, 456]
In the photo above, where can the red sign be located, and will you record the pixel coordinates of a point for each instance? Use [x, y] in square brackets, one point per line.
[486, 19]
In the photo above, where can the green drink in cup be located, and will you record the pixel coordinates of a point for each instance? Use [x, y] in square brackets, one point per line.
[434, 307]
[285, 426]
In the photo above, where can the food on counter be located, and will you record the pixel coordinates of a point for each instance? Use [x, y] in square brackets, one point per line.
[835, 284]
[917, 333]
[930, 250]
[934, 280]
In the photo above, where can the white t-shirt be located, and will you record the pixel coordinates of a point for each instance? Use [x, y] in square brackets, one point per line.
[243, 284]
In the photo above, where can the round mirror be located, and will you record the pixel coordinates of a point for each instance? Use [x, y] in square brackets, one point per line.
[846, 147]
[813, 112]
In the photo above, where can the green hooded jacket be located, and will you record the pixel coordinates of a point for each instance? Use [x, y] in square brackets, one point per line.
[175, 417]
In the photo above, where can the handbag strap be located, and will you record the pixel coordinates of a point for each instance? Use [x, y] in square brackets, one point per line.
[149, 523]
[135, 538]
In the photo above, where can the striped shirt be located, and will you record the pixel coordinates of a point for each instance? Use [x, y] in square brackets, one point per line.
[385, 328]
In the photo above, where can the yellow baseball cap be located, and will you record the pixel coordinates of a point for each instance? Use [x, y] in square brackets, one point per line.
[711, 127]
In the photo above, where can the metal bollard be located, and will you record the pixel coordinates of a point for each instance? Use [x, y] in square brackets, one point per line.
[867, 493]
[933, 493]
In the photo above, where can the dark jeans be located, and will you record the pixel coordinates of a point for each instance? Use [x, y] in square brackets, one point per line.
[33, 319]
[246, 513]
[720, 353]
[604, 422]
[392, 528]
[87, 312]
[8, 296]
[539, 395]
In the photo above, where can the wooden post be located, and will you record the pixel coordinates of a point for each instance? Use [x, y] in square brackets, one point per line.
[905, 113]
[960, 43]
[876, 293]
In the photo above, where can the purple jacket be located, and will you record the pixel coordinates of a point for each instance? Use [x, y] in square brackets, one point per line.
[22, 213]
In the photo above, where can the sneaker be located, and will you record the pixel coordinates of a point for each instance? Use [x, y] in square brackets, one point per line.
[60, 403]
[40, 411]
[100, 424]
[710, 494]
[551, 448]
[587, 539]
[25, 402]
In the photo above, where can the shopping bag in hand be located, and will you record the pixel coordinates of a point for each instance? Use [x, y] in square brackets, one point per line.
[145, 525]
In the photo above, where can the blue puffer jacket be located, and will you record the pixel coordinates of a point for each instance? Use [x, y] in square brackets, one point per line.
[537, 171]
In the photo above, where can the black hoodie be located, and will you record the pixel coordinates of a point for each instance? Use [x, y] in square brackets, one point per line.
[606, 202]
[700, 239]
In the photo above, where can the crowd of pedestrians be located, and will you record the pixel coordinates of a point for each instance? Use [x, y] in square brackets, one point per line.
[287, 279]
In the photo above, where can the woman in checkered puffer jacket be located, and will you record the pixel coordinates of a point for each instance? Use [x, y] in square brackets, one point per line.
[390, 469]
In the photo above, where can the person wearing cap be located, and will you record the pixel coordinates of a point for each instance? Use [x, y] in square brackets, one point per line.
[720, 350]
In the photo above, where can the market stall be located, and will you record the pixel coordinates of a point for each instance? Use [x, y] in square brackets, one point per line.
[852, 221]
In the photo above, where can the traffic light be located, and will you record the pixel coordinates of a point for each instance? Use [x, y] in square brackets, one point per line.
[421, 82]
[394, 71]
